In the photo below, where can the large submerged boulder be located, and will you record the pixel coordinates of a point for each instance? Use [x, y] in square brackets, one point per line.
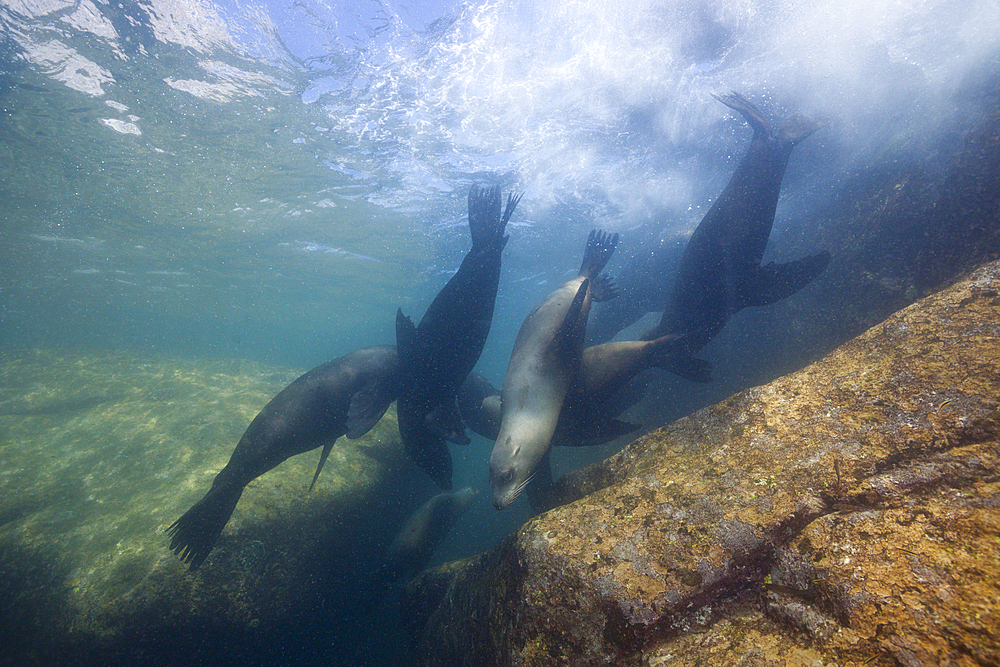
[847, 513]
[101, 452]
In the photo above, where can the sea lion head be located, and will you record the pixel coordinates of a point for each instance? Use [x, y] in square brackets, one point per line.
[509, 473]
[463, 498]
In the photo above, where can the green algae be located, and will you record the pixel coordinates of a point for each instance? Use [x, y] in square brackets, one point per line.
[100, 452]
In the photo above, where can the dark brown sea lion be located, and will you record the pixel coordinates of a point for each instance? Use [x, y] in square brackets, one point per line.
[346, 396]
[436, 356]
[720, 271]
[423, 533]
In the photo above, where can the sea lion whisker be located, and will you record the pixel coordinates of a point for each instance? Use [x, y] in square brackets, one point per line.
[520, 487]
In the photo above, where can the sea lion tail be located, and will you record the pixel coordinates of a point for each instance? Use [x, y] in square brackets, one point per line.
[486, 223]
[600, 247]
[603, 288]
[748, 110]
[193, 535]
[406, 333]
[797, 127]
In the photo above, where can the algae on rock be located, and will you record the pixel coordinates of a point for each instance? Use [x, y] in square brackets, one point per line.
[850, 509]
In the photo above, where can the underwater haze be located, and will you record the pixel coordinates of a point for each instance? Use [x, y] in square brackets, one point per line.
[269, 181]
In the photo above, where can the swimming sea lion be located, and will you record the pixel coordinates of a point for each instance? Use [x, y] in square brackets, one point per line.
[346, 396]
[480, 405]
[592, 405]
[544, 361]
[436, 356]
[423, 533]
[720, 271]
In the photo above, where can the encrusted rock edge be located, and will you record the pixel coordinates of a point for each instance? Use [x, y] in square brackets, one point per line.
[847, 513]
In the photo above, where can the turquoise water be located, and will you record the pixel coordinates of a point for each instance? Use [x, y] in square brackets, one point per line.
[269, 182]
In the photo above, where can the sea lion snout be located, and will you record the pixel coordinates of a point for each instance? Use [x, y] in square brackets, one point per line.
[502, 479]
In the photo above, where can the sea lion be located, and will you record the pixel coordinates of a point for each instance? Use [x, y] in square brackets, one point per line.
[480, 405]
[346, 396]
[436, 356]
[544, 361]
[720, 271]
[423, 533]
[592, 404]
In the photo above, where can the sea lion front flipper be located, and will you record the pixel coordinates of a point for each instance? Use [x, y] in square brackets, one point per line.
[479, 405]
[367, 406]
[594, 430]
[776, 281]
[446, 421]
[567, 339]
[322, 459]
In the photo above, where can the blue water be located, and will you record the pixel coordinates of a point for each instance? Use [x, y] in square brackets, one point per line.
[270, 181]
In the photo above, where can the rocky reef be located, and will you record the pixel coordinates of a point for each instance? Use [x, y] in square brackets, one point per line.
[845, 514]
[100, 452]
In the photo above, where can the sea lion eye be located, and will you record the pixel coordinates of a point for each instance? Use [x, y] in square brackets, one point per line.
[507, 477]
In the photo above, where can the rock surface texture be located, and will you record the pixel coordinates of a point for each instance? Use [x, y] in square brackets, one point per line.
[845, 514]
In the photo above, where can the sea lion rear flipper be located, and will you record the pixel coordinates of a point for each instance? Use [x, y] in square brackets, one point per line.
[512, 201]
[322, 459]
[406, 334]
[776, 281]
[603, 288]
[194, 534]
[690, 368]
[748, 110]
[797, 127]
[600, 247]
[486, 224]
[671, 354]
[484, 214]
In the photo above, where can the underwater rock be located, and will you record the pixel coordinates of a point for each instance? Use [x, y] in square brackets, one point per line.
[101, 452]
[847, 513]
